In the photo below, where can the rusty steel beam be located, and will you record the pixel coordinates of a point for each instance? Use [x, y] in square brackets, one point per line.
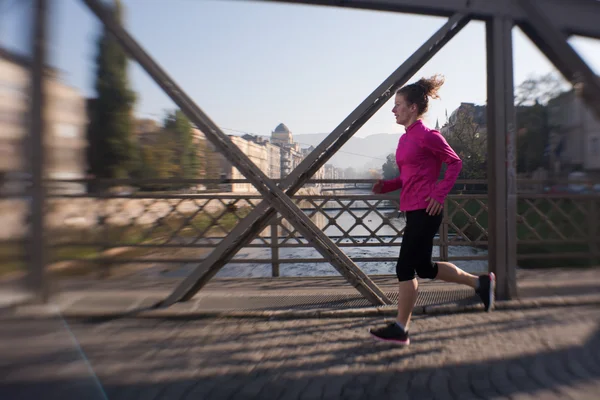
[259, 218]
[502, 186]
[554, 45]
[572, 17]
[37, 257]
[266, 187]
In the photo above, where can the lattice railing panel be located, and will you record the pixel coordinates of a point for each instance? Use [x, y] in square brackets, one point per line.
[545, 224]
[467, 219]
[152, 221]
[348, 220]
[554, 219]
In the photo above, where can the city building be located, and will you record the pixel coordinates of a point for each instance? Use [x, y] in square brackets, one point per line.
[273, 154]
[575, 136]
[265, 155]
[477, 113]
[291, 154]
[276, 157]
[65, 121]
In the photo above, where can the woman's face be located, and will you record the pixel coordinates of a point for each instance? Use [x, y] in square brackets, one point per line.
[403, 111]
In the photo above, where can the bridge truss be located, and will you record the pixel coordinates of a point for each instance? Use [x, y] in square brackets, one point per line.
[548, 23]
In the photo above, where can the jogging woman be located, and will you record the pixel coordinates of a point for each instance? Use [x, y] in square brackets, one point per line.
[420, 154]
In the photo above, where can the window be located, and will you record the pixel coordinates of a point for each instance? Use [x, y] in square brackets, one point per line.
[12, 88]
[68, 131]
[12, 117]
[64, 158]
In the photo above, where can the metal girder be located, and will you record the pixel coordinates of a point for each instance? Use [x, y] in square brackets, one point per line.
[37, 246]
[266, 187]
[572, 17]
[259, 218]
[554, 45]
[502, 186]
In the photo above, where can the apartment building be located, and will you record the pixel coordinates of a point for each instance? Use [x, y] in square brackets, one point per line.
[575, 137]
[65, 118]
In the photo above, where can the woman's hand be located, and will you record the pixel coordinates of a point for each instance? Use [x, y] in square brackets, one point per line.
[434, 207]
[377, 187]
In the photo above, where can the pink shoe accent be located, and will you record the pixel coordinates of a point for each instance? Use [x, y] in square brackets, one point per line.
[400, 342]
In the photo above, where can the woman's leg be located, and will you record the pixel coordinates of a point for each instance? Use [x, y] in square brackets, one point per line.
[407, 286]
[408, 292]
[451, 273]
[484, 285]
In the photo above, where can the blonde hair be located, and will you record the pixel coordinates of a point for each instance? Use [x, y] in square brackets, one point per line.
[419, 92]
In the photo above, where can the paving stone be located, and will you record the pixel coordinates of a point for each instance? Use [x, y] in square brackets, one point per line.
[500, 380]
[439, 384]
[460, 385]
[294, 388]
[337, 386]
[537, 353]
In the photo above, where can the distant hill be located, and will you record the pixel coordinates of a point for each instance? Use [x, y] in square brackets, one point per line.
[358, 153]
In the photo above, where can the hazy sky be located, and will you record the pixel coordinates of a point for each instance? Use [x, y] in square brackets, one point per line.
[252, 65]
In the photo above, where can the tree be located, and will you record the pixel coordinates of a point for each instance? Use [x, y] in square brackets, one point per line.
[533, 127]
[157, 162]
[350, 173]
[172, 152]
[469, 141]
[538, 90]
[112, 151]
[178, 127]
[390, 168]
[533, 135]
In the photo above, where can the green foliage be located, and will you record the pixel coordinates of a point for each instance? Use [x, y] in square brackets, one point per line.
[179, 129]
[112, 151]
[158, 160]
[533, 135]
[390, 168]
[350, 173]
[469, 141]
[172, 152]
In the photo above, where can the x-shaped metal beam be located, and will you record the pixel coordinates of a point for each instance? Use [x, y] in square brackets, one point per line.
[268, 189]
[260, 217]
[279, 201]
[552, 42]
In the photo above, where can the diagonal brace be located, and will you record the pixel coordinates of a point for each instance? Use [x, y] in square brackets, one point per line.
[552, 42]
[268, 189]
[573, 17]
[260, 217]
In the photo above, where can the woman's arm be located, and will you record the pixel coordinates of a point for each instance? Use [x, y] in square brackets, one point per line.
[391, 184]
[440, 147]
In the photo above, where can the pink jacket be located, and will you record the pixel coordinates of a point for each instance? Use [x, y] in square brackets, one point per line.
[420, 154]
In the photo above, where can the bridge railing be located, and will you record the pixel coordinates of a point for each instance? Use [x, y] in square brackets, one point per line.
[120, 228]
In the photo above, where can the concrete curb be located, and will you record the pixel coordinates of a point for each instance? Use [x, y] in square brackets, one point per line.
[182, 313]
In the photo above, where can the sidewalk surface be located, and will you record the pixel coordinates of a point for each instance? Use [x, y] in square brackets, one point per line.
[302, 297]
[547, 353]
[536, 353]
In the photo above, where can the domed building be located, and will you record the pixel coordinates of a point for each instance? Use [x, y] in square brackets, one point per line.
[282, 135]
[291, 154]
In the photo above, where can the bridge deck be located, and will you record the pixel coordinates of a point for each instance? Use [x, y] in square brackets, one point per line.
[110, 296]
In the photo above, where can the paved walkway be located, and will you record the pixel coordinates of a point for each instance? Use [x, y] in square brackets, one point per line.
[548, 353]
[301, 297]
[515, 352]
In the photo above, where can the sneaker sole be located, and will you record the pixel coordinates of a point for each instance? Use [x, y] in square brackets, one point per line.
[492, 298]
[400, 342]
